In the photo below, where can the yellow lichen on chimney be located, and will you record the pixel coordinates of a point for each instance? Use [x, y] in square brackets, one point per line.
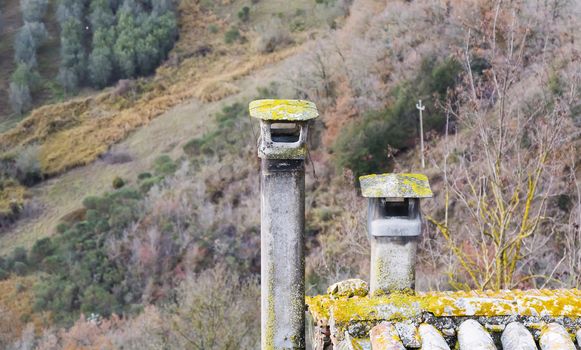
[395, 186]
[283, 110]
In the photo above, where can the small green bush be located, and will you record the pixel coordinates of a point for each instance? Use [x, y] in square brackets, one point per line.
[3, 274]
[19, 268]
[19, 254]
[164, 165]
[118, 183]
[40, 250]
[91, 202]
[213, 29]
[564, 202]
[244, 14]
[232, 35]
[147, 184]
[144, 176]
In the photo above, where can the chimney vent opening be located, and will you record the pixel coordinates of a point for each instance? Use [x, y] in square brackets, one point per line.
[285, 132]
[396, 208]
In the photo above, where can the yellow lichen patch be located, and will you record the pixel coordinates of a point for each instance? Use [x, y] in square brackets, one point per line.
[283, 110]
[398, 306]
[11, 197]
[395, 186]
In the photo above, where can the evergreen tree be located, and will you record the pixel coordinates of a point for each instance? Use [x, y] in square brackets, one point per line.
[24, 79]
[161, 7]
[124, 49]
[33, 10]
[102, 16]
[25, 47]
[101, 58]
[73, 58]
[70, 9]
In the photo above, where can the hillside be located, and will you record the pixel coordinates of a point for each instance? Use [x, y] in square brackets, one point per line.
[145, 194]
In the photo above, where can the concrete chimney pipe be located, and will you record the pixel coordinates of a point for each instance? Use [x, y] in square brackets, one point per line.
[282, 148]
[394, 225]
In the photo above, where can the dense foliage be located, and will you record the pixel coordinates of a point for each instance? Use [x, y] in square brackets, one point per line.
[104, 41]
[26, 43]
[365, 146]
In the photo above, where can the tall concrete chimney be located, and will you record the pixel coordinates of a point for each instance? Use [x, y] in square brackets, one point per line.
[394, 223]
[282, 148]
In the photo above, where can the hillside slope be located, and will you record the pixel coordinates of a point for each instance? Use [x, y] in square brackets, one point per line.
[166, 134]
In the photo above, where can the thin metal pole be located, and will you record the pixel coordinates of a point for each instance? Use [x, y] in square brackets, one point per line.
[421, 109]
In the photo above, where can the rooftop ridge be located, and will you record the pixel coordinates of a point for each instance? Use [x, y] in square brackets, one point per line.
[354, 315]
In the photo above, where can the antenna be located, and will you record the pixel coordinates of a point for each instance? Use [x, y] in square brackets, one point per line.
[421, 109]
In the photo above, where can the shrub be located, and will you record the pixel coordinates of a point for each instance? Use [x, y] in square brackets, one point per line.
[231, 35]
[118, 182]
[40, 250]
[96, 300]
[19, 254]
[366, 146]
[199, 319]
[19, 268]
[148, 183]
[27, 164]
[212, 28]
[244, 14]
[3, 274]
[164, 165]
[271, 36]
[144, 176]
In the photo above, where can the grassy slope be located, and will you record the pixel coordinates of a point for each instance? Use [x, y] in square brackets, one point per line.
[168, 131]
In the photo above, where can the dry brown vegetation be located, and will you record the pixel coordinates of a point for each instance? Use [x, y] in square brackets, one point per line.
[505, 169]
[76, 132]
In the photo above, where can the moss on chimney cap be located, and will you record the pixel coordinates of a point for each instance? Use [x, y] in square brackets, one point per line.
[395, 186]
[283, 110]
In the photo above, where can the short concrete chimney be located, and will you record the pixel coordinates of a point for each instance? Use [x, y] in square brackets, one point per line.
[282, 148]
[394, 225]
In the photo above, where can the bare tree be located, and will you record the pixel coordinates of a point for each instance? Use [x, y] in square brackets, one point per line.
[504, 173]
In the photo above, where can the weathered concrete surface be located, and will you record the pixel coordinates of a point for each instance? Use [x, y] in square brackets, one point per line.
[517, 337]
[431, 339]
[282, 254]
[393, 261]
[394, 225]
[472, 336]
[282, 147]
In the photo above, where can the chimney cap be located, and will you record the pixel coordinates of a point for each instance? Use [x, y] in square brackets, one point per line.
[283, 110]
[395, 186]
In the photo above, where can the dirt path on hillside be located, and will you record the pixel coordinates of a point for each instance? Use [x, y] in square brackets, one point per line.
[165, 134]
